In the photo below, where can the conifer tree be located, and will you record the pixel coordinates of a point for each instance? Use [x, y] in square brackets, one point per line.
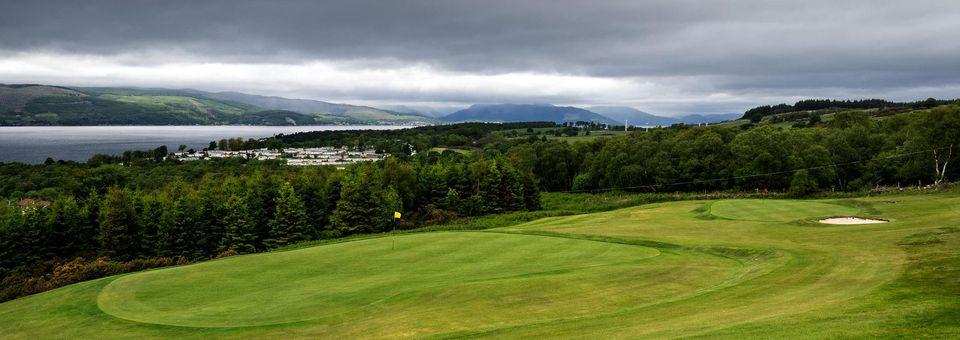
[117, 225]
[364, 207]
[174, 234]
[68, 234]
[208, 221]
[239, 235]
[149, 218]
[289, 223]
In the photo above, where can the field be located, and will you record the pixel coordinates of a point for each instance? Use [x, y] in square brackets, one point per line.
[718, 268]
[586, 138]
[441, 150]
[581, 137]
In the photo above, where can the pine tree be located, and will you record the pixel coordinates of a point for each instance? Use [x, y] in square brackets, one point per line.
[239, 235]
[208, 220]
[363, 207]
[289, 223]
[310, 189]
[174, 234]
[260, 196]
[89, 236]
[117, 225]
[150, 218]
[67, 231]
[355, 208]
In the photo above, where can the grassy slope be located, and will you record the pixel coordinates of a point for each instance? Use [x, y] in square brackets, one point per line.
[547, 132]
[688, 268]
[180, 104]
[585, 138]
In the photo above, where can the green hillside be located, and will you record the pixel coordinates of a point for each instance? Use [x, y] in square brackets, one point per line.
[723, 268]
[13, 98]
[50, 105]
[331, 112]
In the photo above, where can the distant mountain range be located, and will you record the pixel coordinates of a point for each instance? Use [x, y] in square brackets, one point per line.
[526, 113]
[614, 115]
[58, 105]
[420, 110]
[632, 116]
[711, 118]
[637, 117]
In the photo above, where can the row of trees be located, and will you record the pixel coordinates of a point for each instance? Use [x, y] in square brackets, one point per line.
[248, 212]
[851, 151]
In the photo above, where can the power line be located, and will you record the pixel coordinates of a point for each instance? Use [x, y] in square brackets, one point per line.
[652, 186]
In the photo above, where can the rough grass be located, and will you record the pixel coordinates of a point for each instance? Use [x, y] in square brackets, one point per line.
[655, 270]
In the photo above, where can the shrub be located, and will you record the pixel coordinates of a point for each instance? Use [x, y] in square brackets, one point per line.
[76, 270]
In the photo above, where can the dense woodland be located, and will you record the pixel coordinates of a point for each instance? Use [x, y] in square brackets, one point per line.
[178, 212]
[757, 113]
[65, 221]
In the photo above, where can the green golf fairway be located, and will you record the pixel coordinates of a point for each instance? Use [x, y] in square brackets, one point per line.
[777, 210]
[727, 269]
[321, 282]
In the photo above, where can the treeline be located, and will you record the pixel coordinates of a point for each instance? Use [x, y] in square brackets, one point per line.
[420, 138]
[223, 213]
[757, 113]
[852, 151]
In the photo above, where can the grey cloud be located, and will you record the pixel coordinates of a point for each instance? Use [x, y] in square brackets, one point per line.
[782, 48]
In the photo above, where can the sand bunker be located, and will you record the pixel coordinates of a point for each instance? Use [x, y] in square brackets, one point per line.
[850, 220]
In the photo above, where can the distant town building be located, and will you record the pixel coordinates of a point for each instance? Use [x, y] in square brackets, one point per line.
[31, 203]
[293, 156]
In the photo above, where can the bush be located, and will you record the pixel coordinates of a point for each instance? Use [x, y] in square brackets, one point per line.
[227, 253]
[802, 184]
[328, 234]
[74, 271]
[433, 215]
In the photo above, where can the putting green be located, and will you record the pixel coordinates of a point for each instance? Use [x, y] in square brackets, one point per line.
[321, 282]
[777, 210]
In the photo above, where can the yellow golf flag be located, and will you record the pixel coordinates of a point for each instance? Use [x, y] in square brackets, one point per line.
[396, 215]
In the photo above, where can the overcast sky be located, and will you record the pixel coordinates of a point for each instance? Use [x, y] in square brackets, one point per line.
[668, 57]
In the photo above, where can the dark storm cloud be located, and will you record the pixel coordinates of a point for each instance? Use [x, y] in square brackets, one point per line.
[779, 48]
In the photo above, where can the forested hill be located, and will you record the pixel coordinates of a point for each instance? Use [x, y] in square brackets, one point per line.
[54, 105]
[756, 114]
[526, 113]
[321, 108]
